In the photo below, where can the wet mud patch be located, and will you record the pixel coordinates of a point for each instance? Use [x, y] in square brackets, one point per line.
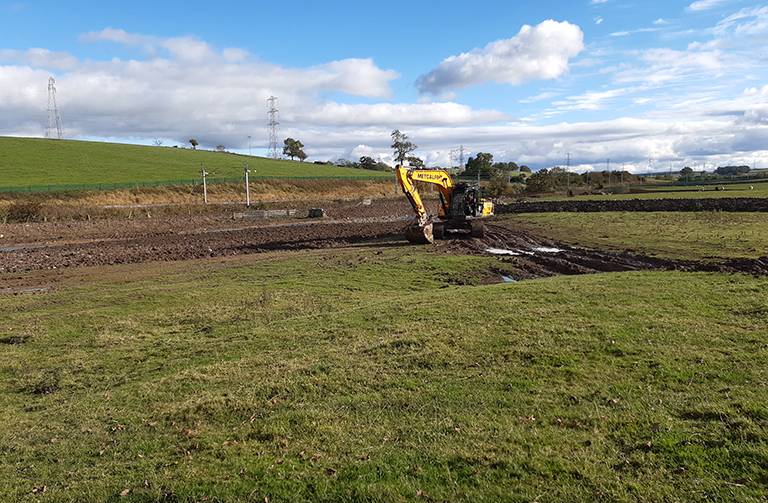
[528, 257]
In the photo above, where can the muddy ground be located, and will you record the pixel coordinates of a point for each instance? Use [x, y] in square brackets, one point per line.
[46, 246]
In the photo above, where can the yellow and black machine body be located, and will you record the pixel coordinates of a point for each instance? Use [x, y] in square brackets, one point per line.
[461, 205]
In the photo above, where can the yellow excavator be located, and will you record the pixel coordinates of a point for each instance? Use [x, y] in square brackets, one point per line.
[461, 205]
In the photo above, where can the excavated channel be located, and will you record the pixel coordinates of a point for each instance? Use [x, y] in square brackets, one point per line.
[36, 247]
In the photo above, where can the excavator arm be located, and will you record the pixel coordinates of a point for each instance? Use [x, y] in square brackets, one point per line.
[420, 231]
[407, 177]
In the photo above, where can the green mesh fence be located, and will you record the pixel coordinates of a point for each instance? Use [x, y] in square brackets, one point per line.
[165, 183]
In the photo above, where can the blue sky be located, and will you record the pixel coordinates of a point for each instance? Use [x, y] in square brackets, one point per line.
[660, 84]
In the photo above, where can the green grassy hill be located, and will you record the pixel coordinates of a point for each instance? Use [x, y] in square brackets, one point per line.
[39, 161]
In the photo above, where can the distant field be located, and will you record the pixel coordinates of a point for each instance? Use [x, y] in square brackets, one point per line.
[38, 161]
[759, 189]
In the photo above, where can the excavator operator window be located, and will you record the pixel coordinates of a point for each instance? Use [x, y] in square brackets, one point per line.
[470, 204]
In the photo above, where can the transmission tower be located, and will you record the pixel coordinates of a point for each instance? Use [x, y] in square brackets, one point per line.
[461, 156]
[54, 119]
[273, 127]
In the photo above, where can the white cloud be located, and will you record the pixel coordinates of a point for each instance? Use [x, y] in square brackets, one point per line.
[632, 32]
[598, 20]
[591, 100]
[41, 58]
[540, 52]
[119, 36]
[753, 91]
[705, 5]
[747, 22]
[359, 77]
[391, 115]
[539, 97]
[684, 59]
[586, 62]
[660, 22]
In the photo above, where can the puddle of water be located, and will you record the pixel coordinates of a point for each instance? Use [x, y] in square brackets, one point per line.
[26, 247]
[500, 251]
[547, 250]
[508, 280]
[14, 248]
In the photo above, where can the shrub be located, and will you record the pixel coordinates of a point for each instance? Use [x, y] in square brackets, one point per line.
[23, 211]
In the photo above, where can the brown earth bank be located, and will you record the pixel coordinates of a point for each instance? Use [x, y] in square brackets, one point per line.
[521, 255]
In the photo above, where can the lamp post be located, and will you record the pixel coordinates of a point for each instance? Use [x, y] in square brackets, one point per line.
[205, 186]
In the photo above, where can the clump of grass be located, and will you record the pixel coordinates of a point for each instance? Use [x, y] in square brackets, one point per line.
[23, 210]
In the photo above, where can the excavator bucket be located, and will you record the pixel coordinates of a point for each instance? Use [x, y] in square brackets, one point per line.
[419, 234]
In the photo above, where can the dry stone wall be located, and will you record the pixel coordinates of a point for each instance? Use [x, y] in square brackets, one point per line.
[573, 205]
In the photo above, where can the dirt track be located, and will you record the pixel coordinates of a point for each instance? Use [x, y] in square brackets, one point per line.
[79, 244]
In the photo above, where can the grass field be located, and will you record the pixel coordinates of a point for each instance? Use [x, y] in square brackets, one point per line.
[367, 374]
[40, 162]
[759, 189]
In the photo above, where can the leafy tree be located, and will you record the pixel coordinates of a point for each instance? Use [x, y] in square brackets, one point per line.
[220, 148]
[506, 166]
[482, 163]
[367, 163]
[294, 148]
[565, 178]
[498, 185]
[415, 161]
[370, 163]
[344, 163]
[686, 173]
[402, 146]
[525, 169]
[732, 170]
[194, 144]
[541, 181]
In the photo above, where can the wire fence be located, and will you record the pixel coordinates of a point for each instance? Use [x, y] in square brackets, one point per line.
[167, 183]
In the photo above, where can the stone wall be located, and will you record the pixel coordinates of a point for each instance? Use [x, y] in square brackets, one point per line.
[707, 204]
